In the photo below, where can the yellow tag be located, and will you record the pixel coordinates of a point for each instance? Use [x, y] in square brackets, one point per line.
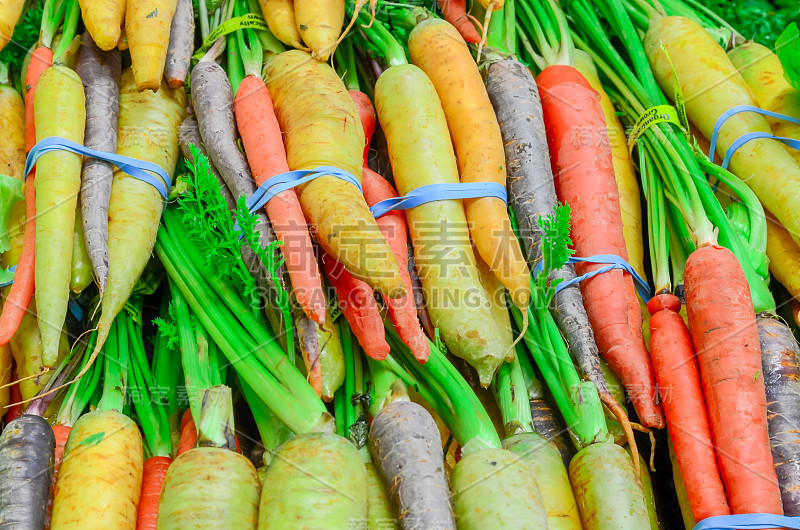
[650, 117]
[249, 21]
[679, 102]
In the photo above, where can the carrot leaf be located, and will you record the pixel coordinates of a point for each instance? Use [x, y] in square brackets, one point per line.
[555, 248]
[210, 227]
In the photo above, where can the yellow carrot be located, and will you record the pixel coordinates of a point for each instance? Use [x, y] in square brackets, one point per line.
[784, 256]
[762, 71]
[438, 49]
[319, 23]
[147, 25]
[10, 10]
[81, 274]
[279, 15]
[421, 153]
[12, 123]
[103, 20]
[148, 130]
[60, 110]
[100, 479]
[26, 344]
[699, 63]
[321, 128]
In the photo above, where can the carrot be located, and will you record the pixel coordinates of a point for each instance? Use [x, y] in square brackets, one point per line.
[728, 353]
[154, 472]
[780, 356]
[12, 122]
[485, 474]
[682, 397]
[319, 23]
[181, 44]
[147, 26]
[81, 267]
[135, 207]
[551, 476]
[228, 490]
[21, 293]
[513, 93]
[437, 48]
[100, 72]
[630, 205]
[762, 71]
[104, 448]
[103, 20]
[608, 492]
[549, 424]
[262, 140]
[680, 490]
[14, 412]
[59, 108]
[366, 114]
[314, 110]
[402, 311]
[188, 438]
[6, 370]
[25, 345]
[764, 164]
[26, 447]
[784, 256]
[596, 228]
[404, 441]
[411, 115]
[61, 433]
[359, 308]
[279, 15]
[10, 10]
[455, 12]
[286, 490]
[380, 511]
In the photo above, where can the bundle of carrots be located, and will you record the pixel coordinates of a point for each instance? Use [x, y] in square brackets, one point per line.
[349, 263]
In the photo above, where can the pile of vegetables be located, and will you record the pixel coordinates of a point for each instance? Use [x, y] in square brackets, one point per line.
[256, 272]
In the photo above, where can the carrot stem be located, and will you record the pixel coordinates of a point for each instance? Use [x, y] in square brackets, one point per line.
[115, 368]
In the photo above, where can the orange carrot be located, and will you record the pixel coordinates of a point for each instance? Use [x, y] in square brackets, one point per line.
[682, 397]
[358, 306]
[19, 297]
[154, 471]
[61, 433]
[402, 311]
[585, 180]
[14, 411]
[723, 327]
[366, 113]
[263, 144]
[188, 436]
[455, 12]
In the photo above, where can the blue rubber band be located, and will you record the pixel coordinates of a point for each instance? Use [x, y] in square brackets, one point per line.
[285, 181]
[612, 261]
[136, 168]
[13, 268]
[736, 110]
[76, 309]
[743, 139]
[748, 520]
[440, 192]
